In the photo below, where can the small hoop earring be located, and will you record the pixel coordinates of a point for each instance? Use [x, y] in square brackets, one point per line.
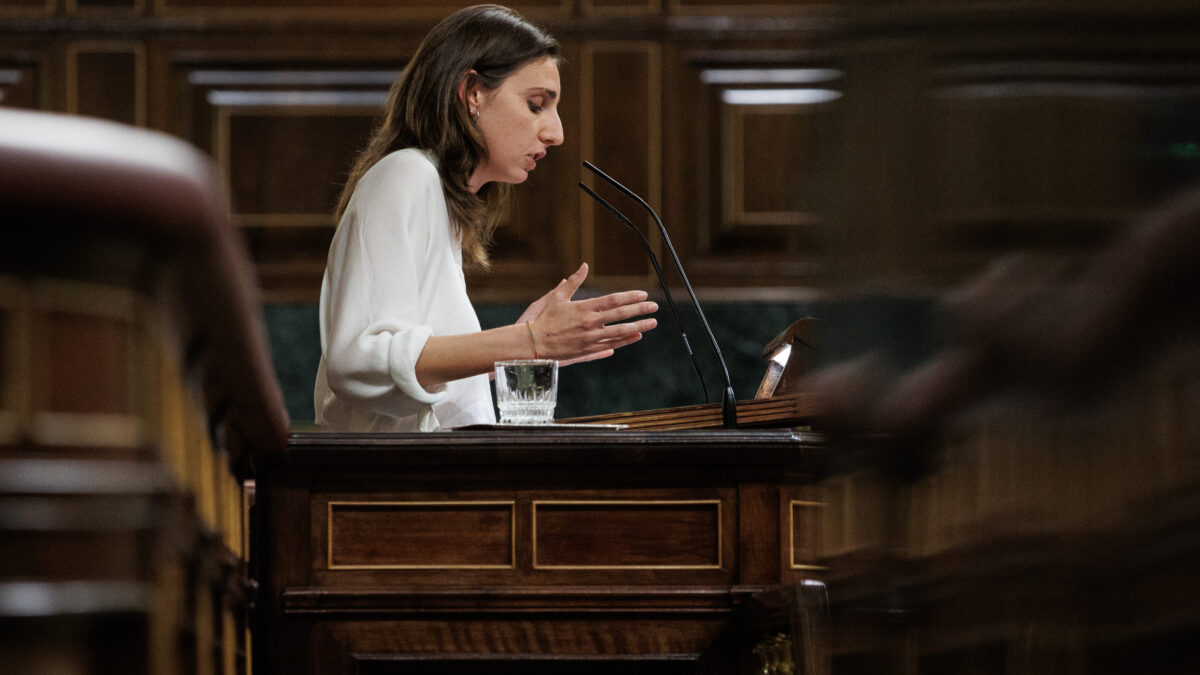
[475, 116]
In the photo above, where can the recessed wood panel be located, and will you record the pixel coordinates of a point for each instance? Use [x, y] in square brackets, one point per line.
[627, 535]
[621, 135]
[775, 152]
[286, 165]
[771, 153]
[1011, 159]
[107, 80]
[286, 139]
[421, 535]
[765, 140]
[804, 534]
[83, 360]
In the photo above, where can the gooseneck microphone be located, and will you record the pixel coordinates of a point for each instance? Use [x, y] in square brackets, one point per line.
[728, 401]
[661, 281]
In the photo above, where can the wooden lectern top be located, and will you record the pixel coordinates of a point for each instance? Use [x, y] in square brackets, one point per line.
[779, 411]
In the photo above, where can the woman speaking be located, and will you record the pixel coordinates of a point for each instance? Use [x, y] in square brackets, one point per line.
[401, 346]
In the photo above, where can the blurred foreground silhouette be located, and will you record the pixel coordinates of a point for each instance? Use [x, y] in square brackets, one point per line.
[1028, 499]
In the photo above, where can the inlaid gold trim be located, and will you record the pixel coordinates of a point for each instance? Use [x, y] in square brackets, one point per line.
[631, 502]
[792, 564]
[512, 539]
[109, 47]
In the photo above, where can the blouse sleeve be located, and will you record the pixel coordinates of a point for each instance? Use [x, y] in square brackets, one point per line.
[371, 306]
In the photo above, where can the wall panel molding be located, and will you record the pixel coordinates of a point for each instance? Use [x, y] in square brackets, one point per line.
[28, 8]
[916, 170]
[621, 133]
[107, 79]
[350, 9]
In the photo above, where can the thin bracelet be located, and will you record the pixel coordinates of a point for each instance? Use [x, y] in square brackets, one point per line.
[532, 339]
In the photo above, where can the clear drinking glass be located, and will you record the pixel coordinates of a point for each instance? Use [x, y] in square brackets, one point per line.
[526, 390]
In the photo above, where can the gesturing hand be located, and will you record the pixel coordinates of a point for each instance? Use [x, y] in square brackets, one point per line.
[584, 330]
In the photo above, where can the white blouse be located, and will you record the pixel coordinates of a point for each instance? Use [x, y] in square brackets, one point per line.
[393, 278]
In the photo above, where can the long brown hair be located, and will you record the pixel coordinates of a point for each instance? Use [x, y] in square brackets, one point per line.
[424, 111]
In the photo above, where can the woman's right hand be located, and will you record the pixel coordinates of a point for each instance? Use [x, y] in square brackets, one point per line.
[584, 330]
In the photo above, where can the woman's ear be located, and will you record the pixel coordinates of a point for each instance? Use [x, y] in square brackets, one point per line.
[469, 89]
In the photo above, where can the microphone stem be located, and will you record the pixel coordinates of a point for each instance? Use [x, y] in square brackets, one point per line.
[661, 282]
[729, 401]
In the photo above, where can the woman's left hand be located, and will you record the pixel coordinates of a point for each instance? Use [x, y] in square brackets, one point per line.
[570, 322]
[535, 309]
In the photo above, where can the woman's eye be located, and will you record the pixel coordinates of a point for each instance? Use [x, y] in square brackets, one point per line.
[534, 107]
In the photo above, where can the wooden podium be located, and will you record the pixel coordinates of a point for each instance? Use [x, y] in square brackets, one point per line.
[527, 550]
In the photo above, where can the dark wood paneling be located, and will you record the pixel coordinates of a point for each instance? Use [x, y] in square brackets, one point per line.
[1011, 155]
[917, 175]
[734, 7]
[27, 8]
[639, 535]
[804, 533]
[620, 7]
[135, 386]
[83, 364]
[529, 665]
[257, 142]
[641, 520]
[286, 138]
[107, 80]
[359, 8]
[120, 6]
[621, 135]
[506, 636]
[762, 138]
[421, 535]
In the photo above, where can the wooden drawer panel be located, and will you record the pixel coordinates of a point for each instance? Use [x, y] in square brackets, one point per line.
[627, 535]
[421, 535]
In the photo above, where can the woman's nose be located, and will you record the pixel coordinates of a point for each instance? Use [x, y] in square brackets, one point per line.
[552, 133]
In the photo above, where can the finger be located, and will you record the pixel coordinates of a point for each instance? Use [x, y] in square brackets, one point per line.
[627, 312]
[617, 343]
[594, 356]
[573, 282]
[620, 331]
[607, 302]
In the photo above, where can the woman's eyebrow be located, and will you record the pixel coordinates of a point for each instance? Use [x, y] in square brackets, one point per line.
[550, 93]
